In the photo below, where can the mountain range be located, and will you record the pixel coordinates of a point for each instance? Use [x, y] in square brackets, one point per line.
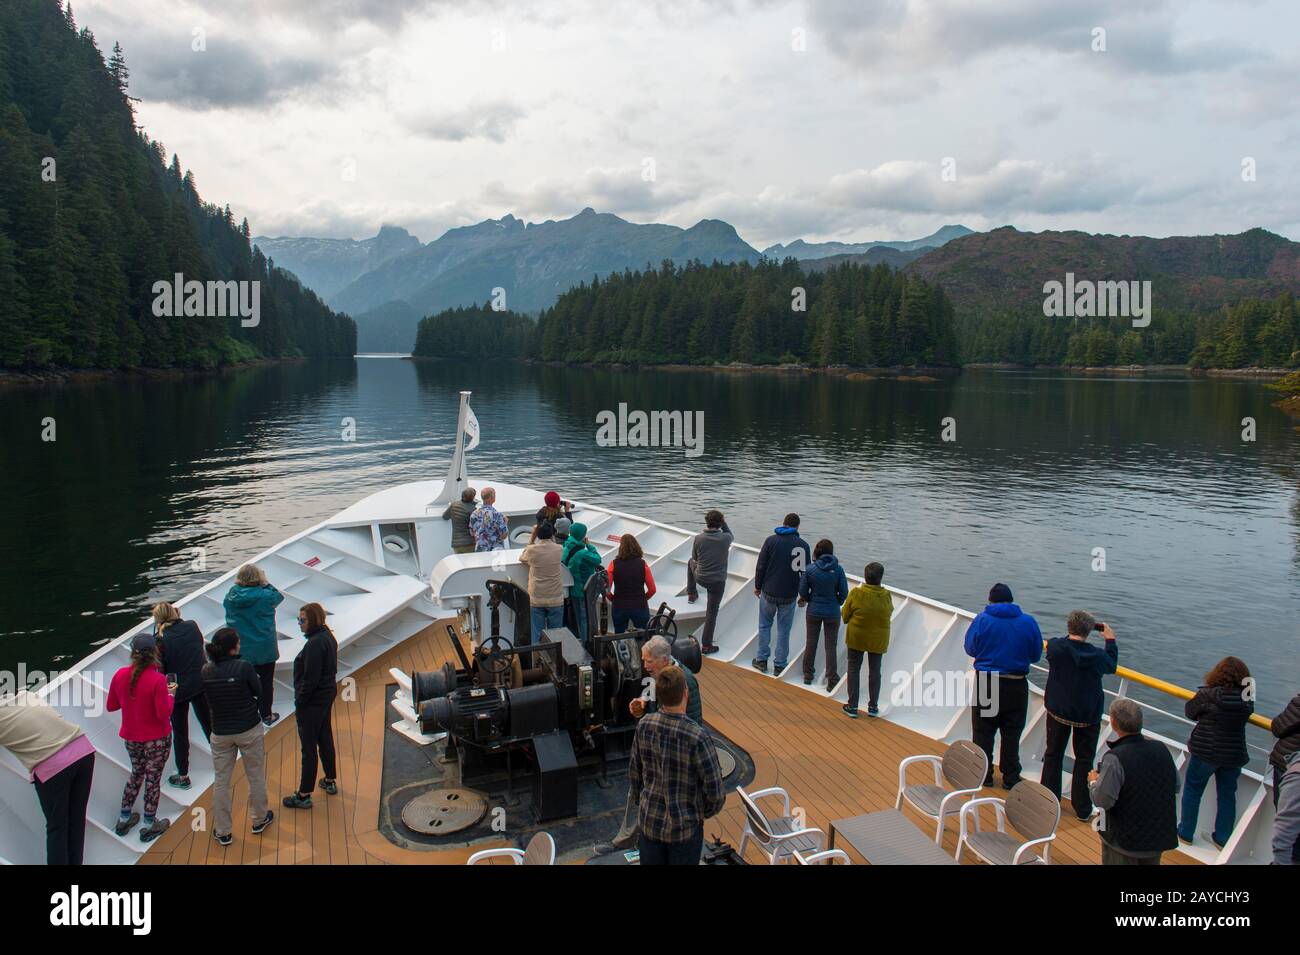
[1005, 269]
[389, 281]
[803, 251]
[327, 265]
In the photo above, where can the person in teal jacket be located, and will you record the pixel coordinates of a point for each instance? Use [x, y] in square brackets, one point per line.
[583, 560]
[250, 610]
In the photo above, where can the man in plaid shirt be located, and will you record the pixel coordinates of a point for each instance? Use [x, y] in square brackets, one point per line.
[674, 777]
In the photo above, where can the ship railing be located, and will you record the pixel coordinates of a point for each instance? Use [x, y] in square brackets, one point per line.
[1128, 678]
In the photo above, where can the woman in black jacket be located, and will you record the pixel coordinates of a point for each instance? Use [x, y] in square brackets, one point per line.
[314, 671]
[180, 646]
[1217, 746]
[232, 686]
[1286, 727]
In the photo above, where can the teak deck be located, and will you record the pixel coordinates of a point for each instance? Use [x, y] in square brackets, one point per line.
[832, 767]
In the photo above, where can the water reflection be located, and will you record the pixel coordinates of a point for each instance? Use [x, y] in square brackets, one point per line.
[1199, 528]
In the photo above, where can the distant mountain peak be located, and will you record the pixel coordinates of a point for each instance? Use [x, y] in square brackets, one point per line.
[805, 251]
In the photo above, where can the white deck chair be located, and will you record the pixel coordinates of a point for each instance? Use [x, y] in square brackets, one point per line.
[963, 765]
[777, 837]
[1032, 811]
[540, 851]
[825, 857]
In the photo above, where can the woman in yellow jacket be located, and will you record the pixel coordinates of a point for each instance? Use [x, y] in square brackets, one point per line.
[866, 617]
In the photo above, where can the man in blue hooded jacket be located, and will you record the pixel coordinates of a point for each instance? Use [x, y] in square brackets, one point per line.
[781, 563]
[1004, 640]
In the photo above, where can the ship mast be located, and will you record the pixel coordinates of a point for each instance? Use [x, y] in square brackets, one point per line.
[456, 481]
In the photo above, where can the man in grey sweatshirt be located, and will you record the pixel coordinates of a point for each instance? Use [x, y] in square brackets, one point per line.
[1286, 823]
[707, 568]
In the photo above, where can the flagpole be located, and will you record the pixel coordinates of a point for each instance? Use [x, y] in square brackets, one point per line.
[456, 480]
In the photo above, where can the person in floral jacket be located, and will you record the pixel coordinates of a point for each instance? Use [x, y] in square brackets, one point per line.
[488, 525]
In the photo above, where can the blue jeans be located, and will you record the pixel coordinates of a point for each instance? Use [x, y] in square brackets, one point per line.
[544, 618]
[638, 617]
[1225, 785]
[784, 614]
[686, 852]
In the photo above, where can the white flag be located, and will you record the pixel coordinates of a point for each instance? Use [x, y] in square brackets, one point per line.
[471, 428]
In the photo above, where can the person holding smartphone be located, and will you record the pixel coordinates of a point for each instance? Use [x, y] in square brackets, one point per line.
[1074, 700]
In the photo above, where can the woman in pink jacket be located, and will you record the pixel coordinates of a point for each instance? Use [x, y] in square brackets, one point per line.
[145, 698]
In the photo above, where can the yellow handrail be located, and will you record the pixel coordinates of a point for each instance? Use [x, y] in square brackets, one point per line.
[1173, 689]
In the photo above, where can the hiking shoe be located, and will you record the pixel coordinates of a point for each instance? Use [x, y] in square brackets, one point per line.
[759, 665]
[873, 711]
[150, 833]
[330, 786]
[225, 840]
[260, 827]
[122, 828]
[297, 801]
[777, 667]
[691, 598]
[807, 681]
[830, 683]
[179, 781]
[604, 848]
[712, 648]
[271, 720]
[850, 711]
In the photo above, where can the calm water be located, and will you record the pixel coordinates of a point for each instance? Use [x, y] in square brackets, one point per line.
[1201, 531]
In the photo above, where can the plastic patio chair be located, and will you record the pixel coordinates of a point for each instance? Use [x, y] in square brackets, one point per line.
[540, 851]
[1032, 811]
[776, 837]
[825, 857]
[963, 766]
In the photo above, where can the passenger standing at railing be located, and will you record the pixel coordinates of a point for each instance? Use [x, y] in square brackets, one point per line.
[459, 513]
[545, 561]
[632, 585]
[488, 525]
[867, 615]
[250, 610]
[1286, 727]
[1005, 641]
[232, 686]
[781, 563]
[823, 590]
[1286, 824]
[315, 672]
[553, 508]
[180, 648]
[61, 763]
[1217, 746]
[583, 560]
[1136, 787]
[145, 698]
[707, 568]
[1074, 700]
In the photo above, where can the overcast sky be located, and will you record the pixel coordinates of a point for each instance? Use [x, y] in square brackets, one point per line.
[330, 117]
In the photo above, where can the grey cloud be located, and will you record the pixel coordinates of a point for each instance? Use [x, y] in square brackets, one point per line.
[494, 121]
[928, 34]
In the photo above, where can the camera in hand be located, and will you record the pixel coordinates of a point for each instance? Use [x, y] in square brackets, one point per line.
[1099, 627]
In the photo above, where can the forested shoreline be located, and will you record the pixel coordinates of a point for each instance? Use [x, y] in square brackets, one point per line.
[93, 217]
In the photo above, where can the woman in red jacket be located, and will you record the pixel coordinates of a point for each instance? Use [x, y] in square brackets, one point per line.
[632, 586]
[145, 698]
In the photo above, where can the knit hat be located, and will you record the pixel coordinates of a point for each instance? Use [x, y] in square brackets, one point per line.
[144, 641]
[562, 527]
[1000, 594]
[552, 498]
[577, 531]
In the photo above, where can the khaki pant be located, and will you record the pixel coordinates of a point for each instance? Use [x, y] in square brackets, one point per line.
[251, 747]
